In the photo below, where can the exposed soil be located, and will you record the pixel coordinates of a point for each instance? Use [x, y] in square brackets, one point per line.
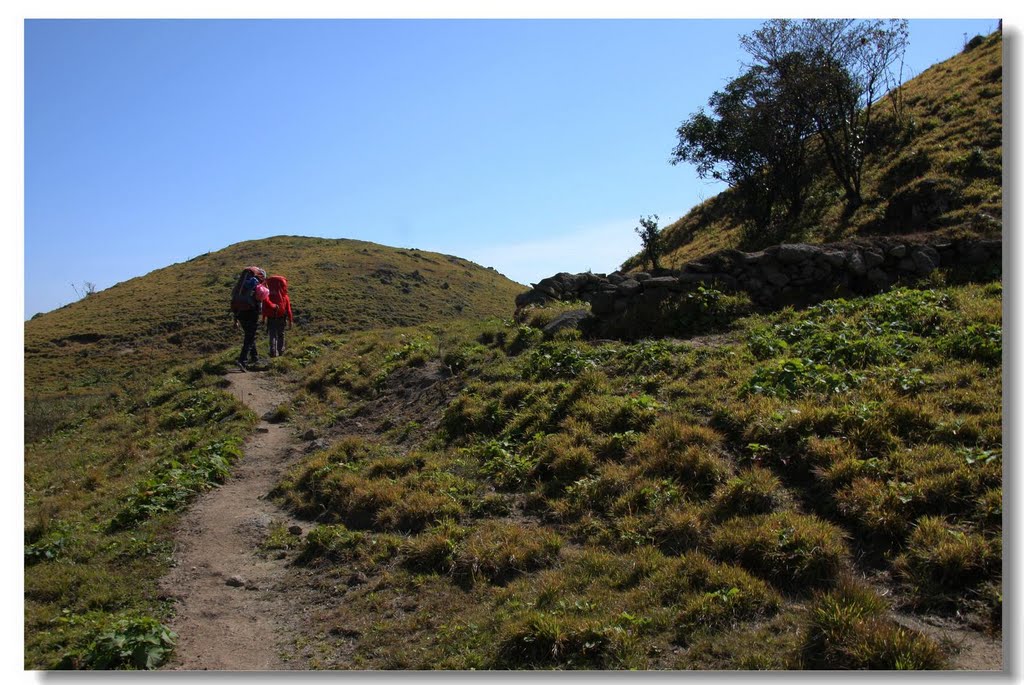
[971, 649]
[239, 609]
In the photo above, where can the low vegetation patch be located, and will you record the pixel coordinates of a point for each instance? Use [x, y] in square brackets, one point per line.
[97, 533]
[658, 504]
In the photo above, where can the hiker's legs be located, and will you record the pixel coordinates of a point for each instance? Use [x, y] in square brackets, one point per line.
[272, 336]
[249, 321]
[280, 337]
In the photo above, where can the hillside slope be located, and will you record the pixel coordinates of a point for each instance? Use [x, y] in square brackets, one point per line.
[940, 170]
[180, 312]
[814, 488]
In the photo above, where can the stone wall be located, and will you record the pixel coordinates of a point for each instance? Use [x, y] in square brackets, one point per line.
[779, 275]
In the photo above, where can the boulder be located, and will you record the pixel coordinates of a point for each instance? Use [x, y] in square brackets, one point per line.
[926, 259]
[566, 320]
[855, 263]
[834, 258]
[660, 282]
[879, 279]
[873, 257]
[629, 287]
[797, 252]
[602, 303]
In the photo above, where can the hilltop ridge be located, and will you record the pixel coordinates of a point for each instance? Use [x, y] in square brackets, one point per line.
[180, 312]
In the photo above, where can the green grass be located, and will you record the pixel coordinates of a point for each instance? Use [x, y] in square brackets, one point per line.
[557, 503]
[98, 528]
[689, 512]
[572, 504]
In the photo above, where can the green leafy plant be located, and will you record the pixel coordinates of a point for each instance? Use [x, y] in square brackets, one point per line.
[127, 643]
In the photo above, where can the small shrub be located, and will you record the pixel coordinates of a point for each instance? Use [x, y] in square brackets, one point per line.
[177, 481]
[506, 465]
[979, 342]
[788, 378]
[561, 359]
[50, 546]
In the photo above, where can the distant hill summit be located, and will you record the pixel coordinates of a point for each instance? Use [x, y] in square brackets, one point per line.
[181, 312]
[938, 171]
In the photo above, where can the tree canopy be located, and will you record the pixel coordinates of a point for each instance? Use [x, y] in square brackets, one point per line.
[809, 79]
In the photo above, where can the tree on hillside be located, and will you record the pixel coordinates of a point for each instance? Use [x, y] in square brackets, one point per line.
[650, 237]
[755, 141]
[833, 71]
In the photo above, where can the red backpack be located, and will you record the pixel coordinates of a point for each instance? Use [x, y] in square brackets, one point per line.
[278, 286]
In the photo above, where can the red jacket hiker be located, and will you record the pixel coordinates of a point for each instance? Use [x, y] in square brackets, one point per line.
[282, 308]
[278, 312]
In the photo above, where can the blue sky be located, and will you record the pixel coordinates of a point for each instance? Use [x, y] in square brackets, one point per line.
[532, 146]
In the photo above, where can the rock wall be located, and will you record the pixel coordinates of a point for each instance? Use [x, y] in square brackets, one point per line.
[779, 275]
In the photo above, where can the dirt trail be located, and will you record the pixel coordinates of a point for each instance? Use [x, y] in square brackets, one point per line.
[236, 610]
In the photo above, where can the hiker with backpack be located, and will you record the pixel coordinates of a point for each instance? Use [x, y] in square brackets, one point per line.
[279, 315]
[248, 299]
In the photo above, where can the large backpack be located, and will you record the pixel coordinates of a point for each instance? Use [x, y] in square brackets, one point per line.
[243, 296]
[278, 286]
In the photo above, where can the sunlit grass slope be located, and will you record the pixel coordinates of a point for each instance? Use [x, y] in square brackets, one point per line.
[102, 495]
[763, 499]
[938, 170]
[181, 312]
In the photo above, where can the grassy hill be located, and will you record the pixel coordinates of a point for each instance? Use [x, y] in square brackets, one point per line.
[812, 488]
[125, 420]
[181, 313]
[938, 171]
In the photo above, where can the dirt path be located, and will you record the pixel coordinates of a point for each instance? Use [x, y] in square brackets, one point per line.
[237, 610]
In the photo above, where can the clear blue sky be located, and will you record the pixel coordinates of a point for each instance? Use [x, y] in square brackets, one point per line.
[532, 146]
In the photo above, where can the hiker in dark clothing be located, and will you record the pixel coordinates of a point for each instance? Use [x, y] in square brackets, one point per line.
[247, 301]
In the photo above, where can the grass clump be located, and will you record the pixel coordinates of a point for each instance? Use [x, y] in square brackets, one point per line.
[754, 491]
[493, 551]
[497, 552]
[942, 561]
[849, 630]
[544, 641]
[365, 485]
[793, 551]
[337, 544]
